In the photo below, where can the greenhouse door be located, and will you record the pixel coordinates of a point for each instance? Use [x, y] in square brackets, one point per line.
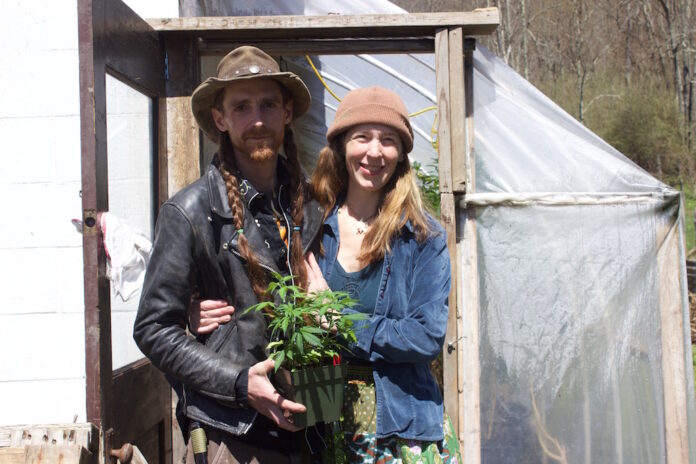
[121, 83]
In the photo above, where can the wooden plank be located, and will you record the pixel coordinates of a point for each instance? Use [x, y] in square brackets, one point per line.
[12, 455]
[442, 89]
[468, 176]
[322, 46]
[181, 150]
[94, 199]
[18, 436]
[672, 339]
[182, 144]
[457, 109]
[124, 32]
[450, 355]
[450, 367]
[469, 381]
[477, 22]
[139, 384]
[63, 454]
[470, 397]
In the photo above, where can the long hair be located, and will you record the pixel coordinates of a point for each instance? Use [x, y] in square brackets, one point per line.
[298, 188]
[401, 200]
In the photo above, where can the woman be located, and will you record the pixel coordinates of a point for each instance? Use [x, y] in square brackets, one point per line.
[382, 247]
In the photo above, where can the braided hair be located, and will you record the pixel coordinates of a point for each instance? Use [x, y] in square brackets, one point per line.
[298, 189]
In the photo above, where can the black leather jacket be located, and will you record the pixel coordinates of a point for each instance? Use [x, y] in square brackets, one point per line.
[196, 248]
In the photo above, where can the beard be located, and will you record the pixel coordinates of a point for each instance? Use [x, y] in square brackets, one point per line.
[262, 153]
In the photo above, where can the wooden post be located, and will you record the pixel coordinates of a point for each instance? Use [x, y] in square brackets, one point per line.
[180, 155]
[672, 336]
[469, 300]
[447, 217]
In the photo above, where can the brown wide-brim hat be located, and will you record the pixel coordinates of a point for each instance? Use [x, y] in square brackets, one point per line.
[245, 63]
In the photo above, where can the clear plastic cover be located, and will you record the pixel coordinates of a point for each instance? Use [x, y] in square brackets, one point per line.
[580, 251]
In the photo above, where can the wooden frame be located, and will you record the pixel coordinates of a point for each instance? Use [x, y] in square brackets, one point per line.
[176, 46]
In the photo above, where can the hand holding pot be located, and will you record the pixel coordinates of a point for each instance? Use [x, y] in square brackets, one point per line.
[263, 397]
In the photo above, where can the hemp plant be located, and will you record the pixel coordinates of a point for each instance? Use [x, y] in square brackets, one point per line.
[307, 329]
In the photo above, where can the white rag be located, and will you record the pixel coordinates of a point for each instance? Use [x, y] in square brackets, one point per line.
[128, 253]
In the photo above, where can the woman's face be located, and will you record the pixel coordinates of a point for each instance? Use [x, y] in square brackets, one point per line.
[372, 153]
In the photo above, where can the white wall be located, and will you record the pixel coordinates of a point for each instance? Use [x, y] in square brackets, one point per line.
[42, 372]
[42, 354]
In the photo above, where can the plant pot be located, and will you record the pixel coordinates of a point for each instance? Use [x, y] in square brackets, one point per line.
[319, 389]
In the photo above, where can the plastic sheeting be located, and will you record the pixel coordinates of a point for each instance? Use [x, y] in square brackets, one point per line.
[579, 252]
[574, 243]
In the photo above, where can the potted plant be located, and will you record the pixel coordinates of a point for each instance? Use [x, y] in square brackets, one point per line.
[308, 332]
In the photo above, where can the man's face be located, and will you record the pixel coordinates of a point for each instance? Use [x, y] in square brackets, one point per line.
[254, 116]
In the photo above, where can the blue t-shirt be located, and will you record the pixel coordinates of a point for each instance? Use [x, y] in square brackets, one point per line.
[361, 285]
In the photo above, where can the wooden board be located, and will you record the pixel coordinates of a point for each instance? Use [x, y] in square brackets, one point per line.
[458, 128]
[58, 454]
[478, 22]
[321, 46]
[182, 145]
[469, 379]
[12, 455]
[18, 436]
[142, 415]
[442, 90]
[672, 334]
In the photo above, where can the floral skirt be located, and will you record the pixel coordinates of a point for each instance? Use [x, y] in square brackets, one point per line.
[354, 440]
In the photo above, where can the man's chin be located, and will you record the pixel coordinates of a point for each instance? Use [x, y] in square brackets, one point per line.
[262, 154]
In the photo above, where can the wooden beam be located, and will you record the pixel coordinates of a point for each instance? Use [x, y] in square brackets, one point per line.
[458, 132]
[478, 22]
[448, 218]
[672, 332]
[321, 46]
[180, 153]
[467, 250]
[442, 89]
[63, 454]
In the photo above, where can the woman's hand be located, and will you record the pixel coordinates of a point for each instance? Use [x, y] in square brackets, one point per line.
[315, 284]
[207, 315]
[315, 279]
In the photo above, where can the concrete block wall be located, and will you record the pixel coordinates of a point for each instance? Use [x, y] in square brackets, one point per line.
[42, 353]
[42, 371]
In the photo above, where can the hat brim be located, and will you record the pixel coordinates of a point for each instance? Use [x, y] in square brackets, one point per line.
[203, 97]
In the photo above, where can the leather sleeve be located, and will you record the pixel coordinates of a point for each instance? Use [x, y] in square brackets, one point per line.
[160, 325]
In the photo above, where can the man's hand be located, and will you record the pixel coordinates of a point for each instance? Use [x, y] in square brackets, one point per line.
[263, 397]
[207, 315]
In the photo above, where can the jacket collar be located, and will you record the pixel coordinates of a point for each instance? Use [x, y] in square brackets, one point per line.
[219, 206]
[218, 191]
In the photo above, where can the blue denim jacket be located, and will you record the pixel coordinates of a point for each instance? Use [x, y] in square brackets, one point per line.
[406, 331]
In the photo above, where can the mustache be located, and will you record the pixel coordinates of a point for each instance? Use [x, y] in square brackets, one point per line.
[257, 133]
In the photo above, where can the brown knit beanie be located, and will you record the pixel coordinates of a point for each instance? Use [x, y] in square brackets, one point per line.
[375, 105]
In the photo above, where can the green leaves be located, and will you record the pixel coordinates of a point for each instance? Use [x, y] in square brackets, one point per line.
[298, 337]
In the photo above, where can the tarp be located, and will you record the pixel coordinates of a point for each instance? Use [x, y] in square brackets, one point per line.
[580, 255]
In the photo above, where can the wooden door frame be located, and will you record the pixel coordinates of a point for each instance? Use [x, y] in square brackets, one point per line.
[108, 34]
[174, 50]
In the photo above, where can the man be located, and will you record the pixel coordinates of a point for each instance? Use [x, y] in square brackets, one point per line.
[220, 236]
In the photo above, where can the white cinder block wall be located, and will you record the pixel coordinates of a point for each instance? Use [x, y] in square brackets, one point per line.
[42, 353]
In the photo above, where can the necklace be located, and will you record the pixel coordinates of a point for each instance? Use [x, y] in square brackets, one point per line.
[361, 225]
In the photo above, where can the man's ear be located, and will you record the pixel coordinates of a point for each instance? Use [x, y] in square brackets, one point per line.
[219, 119]
[288, 111]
